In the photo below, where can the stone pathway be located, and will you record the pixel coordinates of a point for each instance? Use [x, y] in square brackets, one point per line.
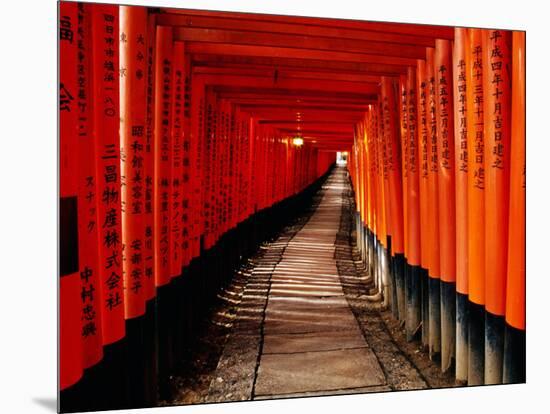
[295, 334]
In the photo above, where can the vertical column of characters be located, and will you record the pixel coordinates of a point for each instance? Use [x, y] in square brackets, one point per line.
[460, 51]
[88, 198]
[223, 193]
[363, 176]
[243, 183]
[358, 175]
[252, 165]
[201, 159]
[361, 157]
[403, 122]
[382, 153]
[368, 177]
[264, 180]
[395, 191]
[446, 191]
[381, 228]
[217, 168]
[309, 159]
[270, 162]
[264, 161]
[290, 167]
[216, 173]
[223, 172]
[433, 228]
[312, 163]
[233, 164]
[260, 166]
[362, 189]
[197, 133]
[412, 277]
[186, 157]
[476, 207]
[305, 164]
[363, 179]
[385, 184]
[423, 168]
[283, 172]
[354, 169]
[305, 153]
[211, 169]
[205, 143]
[230, 166]
[248, 207]
[238, 184]
[514, 344]
[258, 176]
[394, 168]
[260, 151]
[297, 160]
[497, 87]
[164, 66]
[288, 152]
[226, 158]
[148, 279]
[70, 287]
[240, 180]
[178, 80]
[373, 158]
[375, 172]
[274, 163]
[295, 170]
[106, 122]
[369, 213]
[413, 228]
[301, 164]
[133, 111]
[247, 163]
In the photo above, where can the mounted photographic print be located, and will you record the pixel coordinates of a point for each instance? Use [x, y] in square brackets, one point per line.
[257, 206]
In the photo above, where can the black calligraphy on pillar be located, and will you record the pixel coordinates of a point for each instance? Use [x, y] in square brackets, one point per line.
[444, 117]
[496, 75]
[423, 128]
[461, 113]
[433, 126]
[412, 130]
[404, 129]
[478, 162]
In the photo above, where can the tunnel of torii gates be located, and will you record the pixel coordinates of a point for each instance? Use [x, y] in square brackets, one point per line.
[178, 156]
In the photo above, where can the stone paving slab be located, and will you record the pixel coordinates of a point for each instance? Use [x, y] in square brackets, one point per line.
[305, 278]
[317, 371]
[306, 319]
[280, 289]
[308, 301]
[314, 341]
[295, 282]
[325, 393]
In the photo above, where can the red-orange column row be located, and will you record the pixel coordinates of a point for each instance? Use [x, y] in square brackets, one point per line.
[462, 189]
[154, 169]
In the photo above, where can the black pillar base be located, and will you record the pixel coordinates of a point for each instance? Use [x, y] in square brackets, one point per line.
[476, 344]
[514, 355]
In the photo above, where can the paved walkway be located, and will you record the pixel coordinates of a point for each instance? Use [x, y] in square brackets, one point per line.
[295, 333]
